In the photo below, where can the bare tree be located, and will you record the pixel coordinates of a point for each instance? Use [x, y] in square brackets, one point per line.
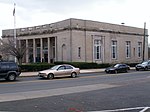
[10, 47]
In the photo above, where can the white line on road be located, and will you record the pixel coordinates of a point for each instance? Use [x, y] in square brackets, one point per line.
[52, 92]
[142, 109]
[145, 109]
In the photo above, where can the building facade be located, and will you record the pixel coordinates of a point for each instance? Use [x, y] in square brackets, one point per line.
[76, 40]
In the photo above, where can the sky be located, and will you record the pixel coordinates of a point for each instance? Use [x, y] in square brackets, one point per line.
[38, 12]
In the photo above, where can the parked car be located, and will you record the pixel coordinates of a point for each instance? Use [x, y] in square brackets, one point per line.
[9, 70]
[60, 71]
[117, 68]
[145, 65]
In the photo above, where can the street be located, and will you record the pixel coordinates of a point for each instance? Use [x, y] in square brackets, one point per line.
[95, 92]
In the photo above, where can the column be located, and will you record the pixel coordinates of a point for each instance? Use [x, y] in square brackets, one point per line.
[34, 51]
[41, 49]
[55, 53]
[49, 57]
[27, 51]
[20, 46]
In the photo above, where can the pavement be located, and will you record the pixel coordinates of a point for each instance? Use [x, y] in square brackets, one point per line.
[30, 74]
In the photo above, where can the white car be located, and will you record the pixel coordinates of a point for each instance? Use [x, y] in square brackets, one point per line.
[145, 65]
[60, 71]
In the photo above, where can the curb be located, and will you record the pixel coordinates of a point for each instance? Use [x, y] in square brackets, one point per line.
[32, 74]
[84, 71]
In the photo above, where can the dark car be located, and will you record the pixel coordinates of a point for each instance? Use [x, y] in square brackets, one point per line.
[117, 68]
[145, 65]
[9, 70]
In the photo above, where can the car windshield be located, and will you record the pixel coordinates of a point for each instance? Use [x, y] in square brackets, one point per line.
[54, 67]
[145, 62]
[116, 66]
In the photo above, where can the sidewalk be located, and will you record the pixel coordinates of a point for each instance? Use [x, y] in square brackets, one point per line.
[30, 74]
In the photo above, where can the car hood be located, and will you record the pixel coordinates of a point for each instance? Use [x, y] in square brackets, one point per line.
[141, 65]
[110, 68]
[46, 71]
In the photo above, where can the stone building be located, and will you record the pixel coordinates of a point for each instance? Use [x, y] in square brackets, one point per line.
[77, 40]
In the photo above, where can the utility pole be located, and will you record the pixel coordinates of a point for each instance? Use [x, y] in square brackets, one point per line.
[14, 14]
[144, 41]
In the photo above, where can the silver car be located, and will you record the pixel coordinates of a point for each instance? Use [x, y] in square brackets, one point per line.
[60, 71]
[145, 65]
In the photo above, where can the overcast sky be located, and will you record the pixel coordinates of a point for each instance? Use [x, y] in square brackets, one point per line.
[37, 12]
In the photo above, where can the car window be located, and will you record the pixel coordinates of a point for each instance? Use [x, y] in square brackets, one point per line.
[12, 66]
[4, 66]
[145, 62]
[69, 67]
[54, 67]
[120, 66]
[61, 68]
[117, 65]
[124, 66]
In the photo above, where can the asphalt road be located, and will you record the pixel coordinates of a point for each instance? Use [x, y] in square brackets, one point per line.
[99, 92]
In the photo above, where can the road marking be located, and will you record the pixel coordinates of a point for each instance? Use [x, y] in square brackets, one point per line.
[52, 92]
[145, 109]
[141, 109]
[148, 76]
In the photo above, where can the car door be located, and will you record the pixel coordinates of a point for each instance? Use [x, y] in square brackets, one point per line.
[60, 71]
[0, 71]
[69, 70]
[3, 69]
[148, 65]
[122, 68]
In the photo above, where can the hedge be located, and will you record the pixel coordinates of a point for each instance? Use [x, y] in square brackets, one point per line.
[35, 67]
[81, 65]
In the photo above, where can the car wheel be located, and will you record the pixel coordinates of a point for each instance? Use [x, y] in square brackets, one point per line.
[73, 75]
[137, 69]
[11, 77]
[50, 76]
[146, 68]
[107, 72]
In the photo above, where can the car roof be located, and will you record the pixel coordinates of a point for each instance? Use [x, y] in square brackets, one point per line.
[7, 62]
[121, 64]
[63, 65]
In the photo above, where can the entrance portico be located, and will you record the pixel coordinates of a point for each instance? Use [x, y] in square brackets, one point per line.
[39, 49]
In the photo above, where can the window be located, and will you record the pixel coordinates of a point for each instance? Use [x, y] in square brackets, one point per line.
[69, 67]
[37, 27]
[128, 49]
[79, 52]
[4, 66]
[30, 28]
[61, 68]
[114, 49]
[44, 26]
[23, 30]
[97, 49]
[12, 65]
[139, 49]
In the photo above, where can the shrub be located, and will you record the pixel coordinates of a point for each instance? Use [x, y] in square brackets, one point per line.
[132, 64]
[104, 65]
[35, 67]
[81, 65]
[84, 65]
